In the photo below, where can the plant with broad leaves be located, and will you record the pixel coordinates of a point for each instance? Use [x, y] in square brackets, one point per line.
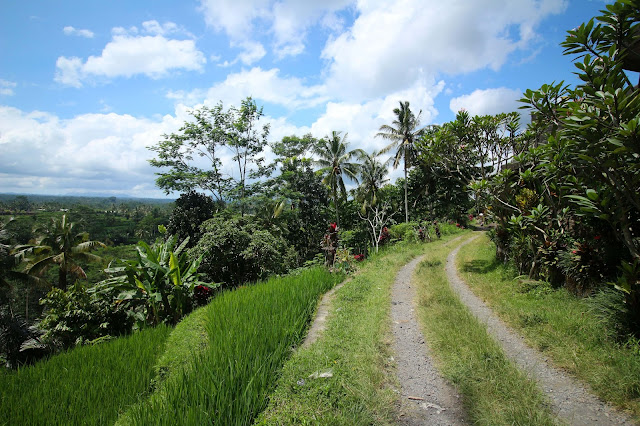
[158, 286]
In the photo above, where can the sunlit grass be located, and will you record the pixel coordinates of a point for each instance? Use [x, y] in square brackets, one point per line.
[561, 325]
[355, 349]
[494, 390]
[249, 334]
[88, 385]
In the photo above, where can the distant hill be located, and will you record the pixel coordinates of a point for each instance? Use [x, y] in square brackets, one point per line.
[88, 200]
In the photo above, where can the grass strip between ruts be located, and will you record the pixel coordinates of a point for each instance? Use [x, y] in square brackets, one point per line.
[561, 325]
[494, 391]
[353, 353]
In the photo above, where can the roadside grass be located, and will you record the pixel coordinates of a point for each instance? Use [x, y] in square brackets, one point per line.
[88, 385]
[249, 334]
[494, 391]
[557, 323]
[354, 353]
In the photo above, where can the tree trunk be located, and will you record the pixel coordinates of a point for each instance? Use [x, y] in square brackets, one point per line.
[62, 277]
[335, 203]
[406, 199]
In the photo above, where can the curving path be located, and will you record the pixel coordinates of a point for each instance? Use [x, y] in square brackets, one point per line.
[570, 400]
[426, 399]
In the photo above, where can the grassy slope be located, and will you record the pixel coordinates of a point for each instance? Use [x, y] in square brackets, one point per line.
[84, 386]
[494, 391]
[355, 349]
[557, 323]
[250, 333]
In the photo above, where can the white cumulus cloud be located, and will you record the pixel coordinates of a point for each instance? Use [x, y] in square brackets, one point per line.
[129, 53]
[287, 22]
[488, 101]
[263, 85]
[390, 46]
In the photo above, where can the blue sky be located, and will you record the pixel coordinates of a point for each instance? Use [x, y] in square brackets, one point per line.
[85, 87]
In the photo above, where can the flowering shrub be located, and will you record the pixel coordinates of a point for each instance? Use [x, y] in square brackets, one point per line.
[384, 236]
[202, 294]
[359, 257]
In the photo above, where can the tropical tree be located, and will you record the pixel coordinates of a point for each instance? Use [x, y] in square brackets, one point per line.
[403, 133]
[60, 246]
[372, 177]
[191, 210]
[335, 162]
[246, 139]
[9, 261]
[201, 138]
[159, 284]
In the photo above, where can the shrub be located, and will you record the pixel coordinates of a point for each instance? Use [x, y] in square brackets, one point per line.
[75, 317]
[402, 231]
[158, 286]
[235, 251]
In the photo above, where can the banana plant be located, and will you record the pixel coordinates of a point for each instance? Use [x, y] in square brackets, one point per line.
[157, 285]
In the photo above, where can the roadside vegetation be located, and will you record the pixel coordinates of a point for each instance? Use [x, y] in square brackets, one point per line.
[562, 193]
[578, 334]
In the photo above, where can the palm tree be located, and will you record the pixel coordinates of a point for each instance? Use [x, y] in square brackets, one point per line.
[334, 160]
[372, 177]
[61, 246]
[403, 132]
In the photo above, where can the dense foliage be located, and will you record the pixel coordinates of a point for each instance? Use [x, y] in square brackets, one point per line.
[568, 209]
[235, 250]
[159, 285]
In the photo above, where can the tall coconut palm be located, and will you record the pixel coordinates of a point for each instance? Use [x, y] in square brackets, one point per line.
[403, 133]
[372, 177]
[335, 162]
[63, 247]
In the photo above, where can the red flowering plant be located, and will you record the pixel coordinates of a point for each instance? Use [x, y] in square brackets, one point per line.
[202, 294]
[359, 257]
[583, 265]
[384, 237]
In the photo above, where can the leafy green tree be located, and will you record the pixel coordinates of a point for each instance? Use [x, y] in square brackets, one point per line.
[247, 139]
[581, 170]
[191, 210]
[292, 147]
[403, 133]
[335, 164]
[234, 250]
[309, 206]
[202, 139]
[63, 247]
